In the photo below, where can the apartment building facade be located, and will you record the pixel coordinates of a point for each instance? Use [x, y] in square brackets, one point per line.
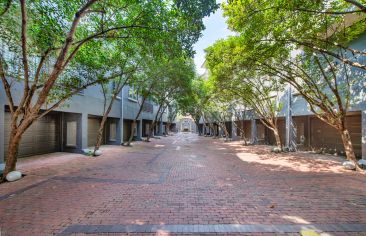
[186, 124]
[299, 128]
[74, 125]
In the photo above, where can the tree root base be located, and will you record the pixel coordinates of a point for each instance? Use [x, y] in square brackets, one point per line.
[126, 145]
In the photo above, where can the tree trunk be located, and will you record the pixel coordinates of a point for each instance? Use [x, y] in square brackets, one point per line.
[12, 154]
[100, 133]
[133, 127]
[348, 147]
[223, 128]
[242, 133]
[277, 137]
[102, 123]
[135, 121]
[272, 125]
[16, 134]
[151, 131]
[106, 113]
[226, 132]
[209, 129]
[214, 131]
[198, 127]
[244, 139]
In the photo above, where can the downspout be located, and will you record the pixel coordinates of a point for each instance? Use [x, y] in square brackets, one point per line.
[122, 121]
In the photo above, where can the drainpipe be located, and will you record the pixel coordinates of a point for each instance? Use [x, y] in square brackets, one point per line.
[2, 132]
[233, 129]
[84, 130]
[290, 131]
[121, 119]
[363, 138]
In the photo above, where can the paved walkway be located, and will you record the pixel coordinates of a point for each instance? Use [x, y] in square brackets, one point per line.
[183, 184]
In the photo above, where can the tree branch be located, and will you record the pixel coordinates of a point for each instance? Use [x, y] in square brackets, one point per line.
[357, 4]
[24, 51]
[58, 66]
[7, 6]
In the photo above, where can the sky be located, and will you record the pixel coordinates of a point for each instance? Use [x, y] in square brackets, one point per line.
[216, 28]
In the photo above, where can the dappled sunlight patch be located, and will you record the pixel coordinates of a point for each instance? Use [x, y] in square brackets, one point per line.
[234, 143]
[221, 184]
[217, 142]
[162, 233]
[138, 222]
[254, 158]
[326, 234]
[298, 161]
[199, 166]
[296, 219]
[159, 145]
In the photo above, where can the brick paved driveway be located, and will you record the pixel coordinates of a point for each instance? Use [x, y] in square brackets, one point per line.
[183, 184]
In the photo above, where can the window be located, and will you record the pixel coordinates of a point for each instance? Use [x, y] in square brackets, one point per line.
[112, 131]
[71, 133]
[147, 107]
[132, 94]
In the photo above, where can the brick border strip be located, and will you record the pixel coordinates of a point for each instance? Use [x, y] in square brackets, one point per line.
[75, 179]
[22, 190]
[161, 180]
[212, 228]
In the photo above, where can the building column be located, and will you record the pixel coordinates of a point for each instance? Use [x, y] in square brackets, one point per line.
[363, 134]
[233, 130]
[139, 130]
[2, 132]
[290, 130]
[84, 130]
[254, 133]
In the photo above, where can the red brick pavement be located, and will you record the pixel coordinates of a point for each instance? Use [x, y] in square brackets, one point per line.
[182, 179]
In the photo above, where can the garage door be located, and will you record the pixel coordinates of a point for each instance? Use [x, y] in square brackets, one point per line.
[93, 126]
[247, 129]
[325, 136]
[127, 129]
[43, 136]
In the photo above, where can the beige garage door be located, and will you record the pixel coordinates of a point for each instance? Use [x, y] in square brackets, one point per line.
[43, 136]
[93, 126]
[325, 136]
